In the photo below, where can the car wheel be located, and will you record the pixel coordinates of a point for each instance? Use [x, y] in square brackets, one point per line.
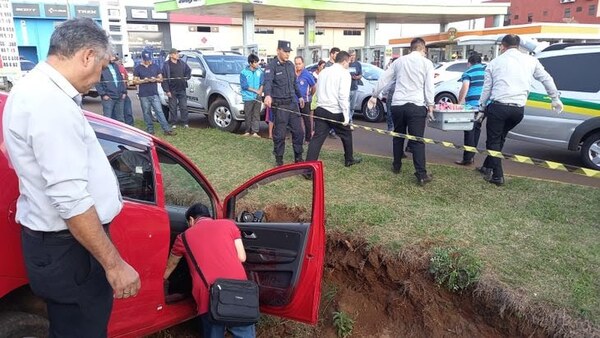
[590, 151]
[376, 114]
[220, 116]
[21, 324]
[445, 98]
[9, 86]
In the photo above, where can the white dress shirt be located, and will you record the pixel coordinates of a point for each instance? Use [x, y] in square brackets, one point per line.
[333, 90]
[413, 74]
[509, 77]
[61, 166]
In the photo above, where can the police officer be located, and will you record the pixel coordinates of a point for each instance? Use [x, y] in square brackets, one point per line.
[281, 93]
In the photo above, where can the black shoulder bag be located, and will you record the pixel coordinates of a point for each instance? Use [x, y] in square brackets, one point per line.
[232, 302]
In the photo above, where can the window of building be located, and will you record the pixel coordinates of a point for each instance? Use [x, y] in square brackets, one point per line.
[516, 16]
[264, 30]
[578, 9]
[318, 31]
[202, 29]
[567, 13]
[529, 17]
[592, 10]
[352, 32]
[114, 28]
[545, 13]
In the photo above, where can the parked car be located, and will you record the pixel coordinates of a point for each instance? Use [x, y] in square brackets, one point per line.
[575, 70]
[445, 71]
[7, 82]
[214, 89]
[447, 91]
[284, 257]
[371, 75]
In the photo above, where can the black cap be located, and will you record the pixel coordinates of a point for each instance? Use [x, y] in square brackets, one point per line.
[285, 45]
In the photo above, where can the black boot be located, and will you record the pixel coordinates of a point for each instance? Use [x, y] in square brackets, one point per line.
[278, 160]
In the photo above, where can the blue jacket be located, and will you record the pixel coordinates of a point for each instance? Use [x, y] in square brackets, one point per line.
[250, 79]
[107, 86]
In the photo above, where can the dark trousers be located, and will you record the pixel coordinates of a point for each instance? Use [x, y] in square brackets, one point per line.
[284, 117]
[71, 281]
[471, 139]
[322, 130]
[412, 117]
[500, 120]
[307, 123]
[178, 99]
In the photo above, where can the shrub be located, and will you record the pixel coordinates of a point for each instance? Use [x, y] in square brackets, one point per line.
[455, 268]
[343, 324]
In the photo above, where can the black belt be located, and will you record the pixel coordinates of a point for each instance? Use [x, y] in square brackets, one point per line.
[282, 101]
[64, 234]
[506, 104]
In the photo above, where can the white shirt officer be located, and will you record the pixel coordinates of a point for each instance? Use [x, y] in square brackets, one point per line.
[333, 90]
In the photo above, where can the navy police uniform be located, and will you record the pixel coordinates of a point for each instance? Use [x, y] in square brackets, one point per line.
[280, 84]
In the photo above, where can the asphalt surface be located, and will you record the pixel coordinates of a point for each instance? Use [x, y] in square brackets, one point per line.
[381, 145]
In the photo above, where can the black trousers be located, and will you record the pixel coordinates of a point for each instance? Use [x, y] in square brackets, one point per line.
[500, 120]
[471, 139]
[307, 124]
[71, 281]
[322, 131]
[283, 117]
[412, 118]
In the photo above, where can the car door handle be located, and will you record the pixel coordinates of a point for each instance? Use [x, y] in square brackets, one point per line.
[249, 235]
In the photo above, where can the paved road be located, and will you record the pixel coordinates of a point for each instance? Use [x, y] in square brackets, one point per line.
[377, 144]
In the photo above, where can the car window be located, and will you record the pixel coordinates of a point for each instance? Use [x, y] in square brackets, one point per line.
[181, 187]
[577, 72]
[457, 67]
[225, 64]
[370, 72]
[194, 62]
[133, 169]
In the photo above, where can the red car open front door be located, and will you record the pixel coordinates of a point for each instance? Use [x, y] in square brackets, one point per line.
[281, 214]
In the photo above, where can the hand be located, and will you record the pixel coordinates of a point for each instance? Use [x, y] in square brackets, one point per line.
[268, 101]
[557, 106]
[123, 96]
[301, 102]
[124, 280]
[346, 122]
[259, 92]
[105, 97]
[480, 116]
[430, 116]
[168, 94]
[372, 102]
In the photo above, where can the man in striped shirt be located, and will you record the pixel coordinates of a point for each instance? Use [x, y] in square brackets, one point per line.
[472, 85]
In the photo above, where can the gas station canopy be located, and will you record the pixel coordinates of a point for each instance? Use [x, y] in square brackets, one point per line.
[355, 11]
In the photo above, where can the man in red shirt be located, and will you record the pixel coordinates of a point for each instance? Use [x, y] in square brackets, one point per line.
[219, 251]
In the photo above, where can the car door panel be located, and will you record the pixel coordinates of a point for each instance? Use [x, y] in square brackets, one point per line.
[285, 249]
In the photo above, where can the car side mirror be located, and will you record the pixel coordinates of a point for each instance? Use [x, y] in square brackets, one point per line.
[197, 72]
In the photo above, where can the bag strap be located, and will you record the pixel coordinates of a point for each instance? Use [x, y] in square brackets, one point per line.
[189, 251]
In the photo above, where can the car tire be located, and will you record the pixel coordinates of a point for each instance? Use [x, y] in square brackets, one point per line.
[375, 115]
[9, 86]
[445, 97]
[590, 151]
[21, 324]
[221, 117]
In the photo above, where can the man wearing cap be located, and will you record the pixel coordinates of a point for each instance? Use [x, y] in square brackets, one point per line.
[176, 73]
[147, 75]
[281, 95]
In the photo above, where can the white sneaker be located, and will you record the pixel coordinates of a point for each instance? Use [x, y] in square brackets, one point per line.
[186, 126]
[174, 126]
[246, 134]
[256, 135]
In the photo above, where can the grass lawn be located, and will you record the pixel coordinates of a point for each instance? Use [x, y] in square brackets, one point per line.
[537, 236]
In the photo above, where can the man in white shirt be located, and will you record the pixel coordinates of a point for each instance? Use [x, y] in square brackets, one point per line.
[68, 190]
[412, 103]
[506, 85]
[333, 91]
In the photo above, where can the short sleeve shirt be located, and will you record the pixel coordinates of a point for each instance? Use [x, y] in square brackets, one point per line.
[304, 81]
[474, 75]
[143, 72]
[212, 244]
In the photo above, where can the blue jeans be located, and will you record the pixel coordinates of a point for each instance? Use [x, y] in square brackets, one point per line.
[128, 111]
[147, 103]
[113, 108]
[351, 105]
[212, 330]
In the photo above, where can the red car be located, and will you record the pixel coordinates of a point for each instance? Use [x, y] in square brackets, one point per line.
[285, 252]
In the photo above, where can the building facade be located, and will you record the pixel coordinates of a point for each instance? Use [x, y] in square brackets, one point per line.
[557, 11]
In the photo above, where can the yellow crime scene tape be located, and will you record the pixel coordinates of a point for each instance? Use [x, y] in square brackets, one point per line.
[507, 156]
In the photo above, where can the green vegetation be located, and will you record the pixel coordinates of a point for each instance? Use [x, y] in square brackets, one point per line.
[343, 323]
[456, 269]
[536, 236]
